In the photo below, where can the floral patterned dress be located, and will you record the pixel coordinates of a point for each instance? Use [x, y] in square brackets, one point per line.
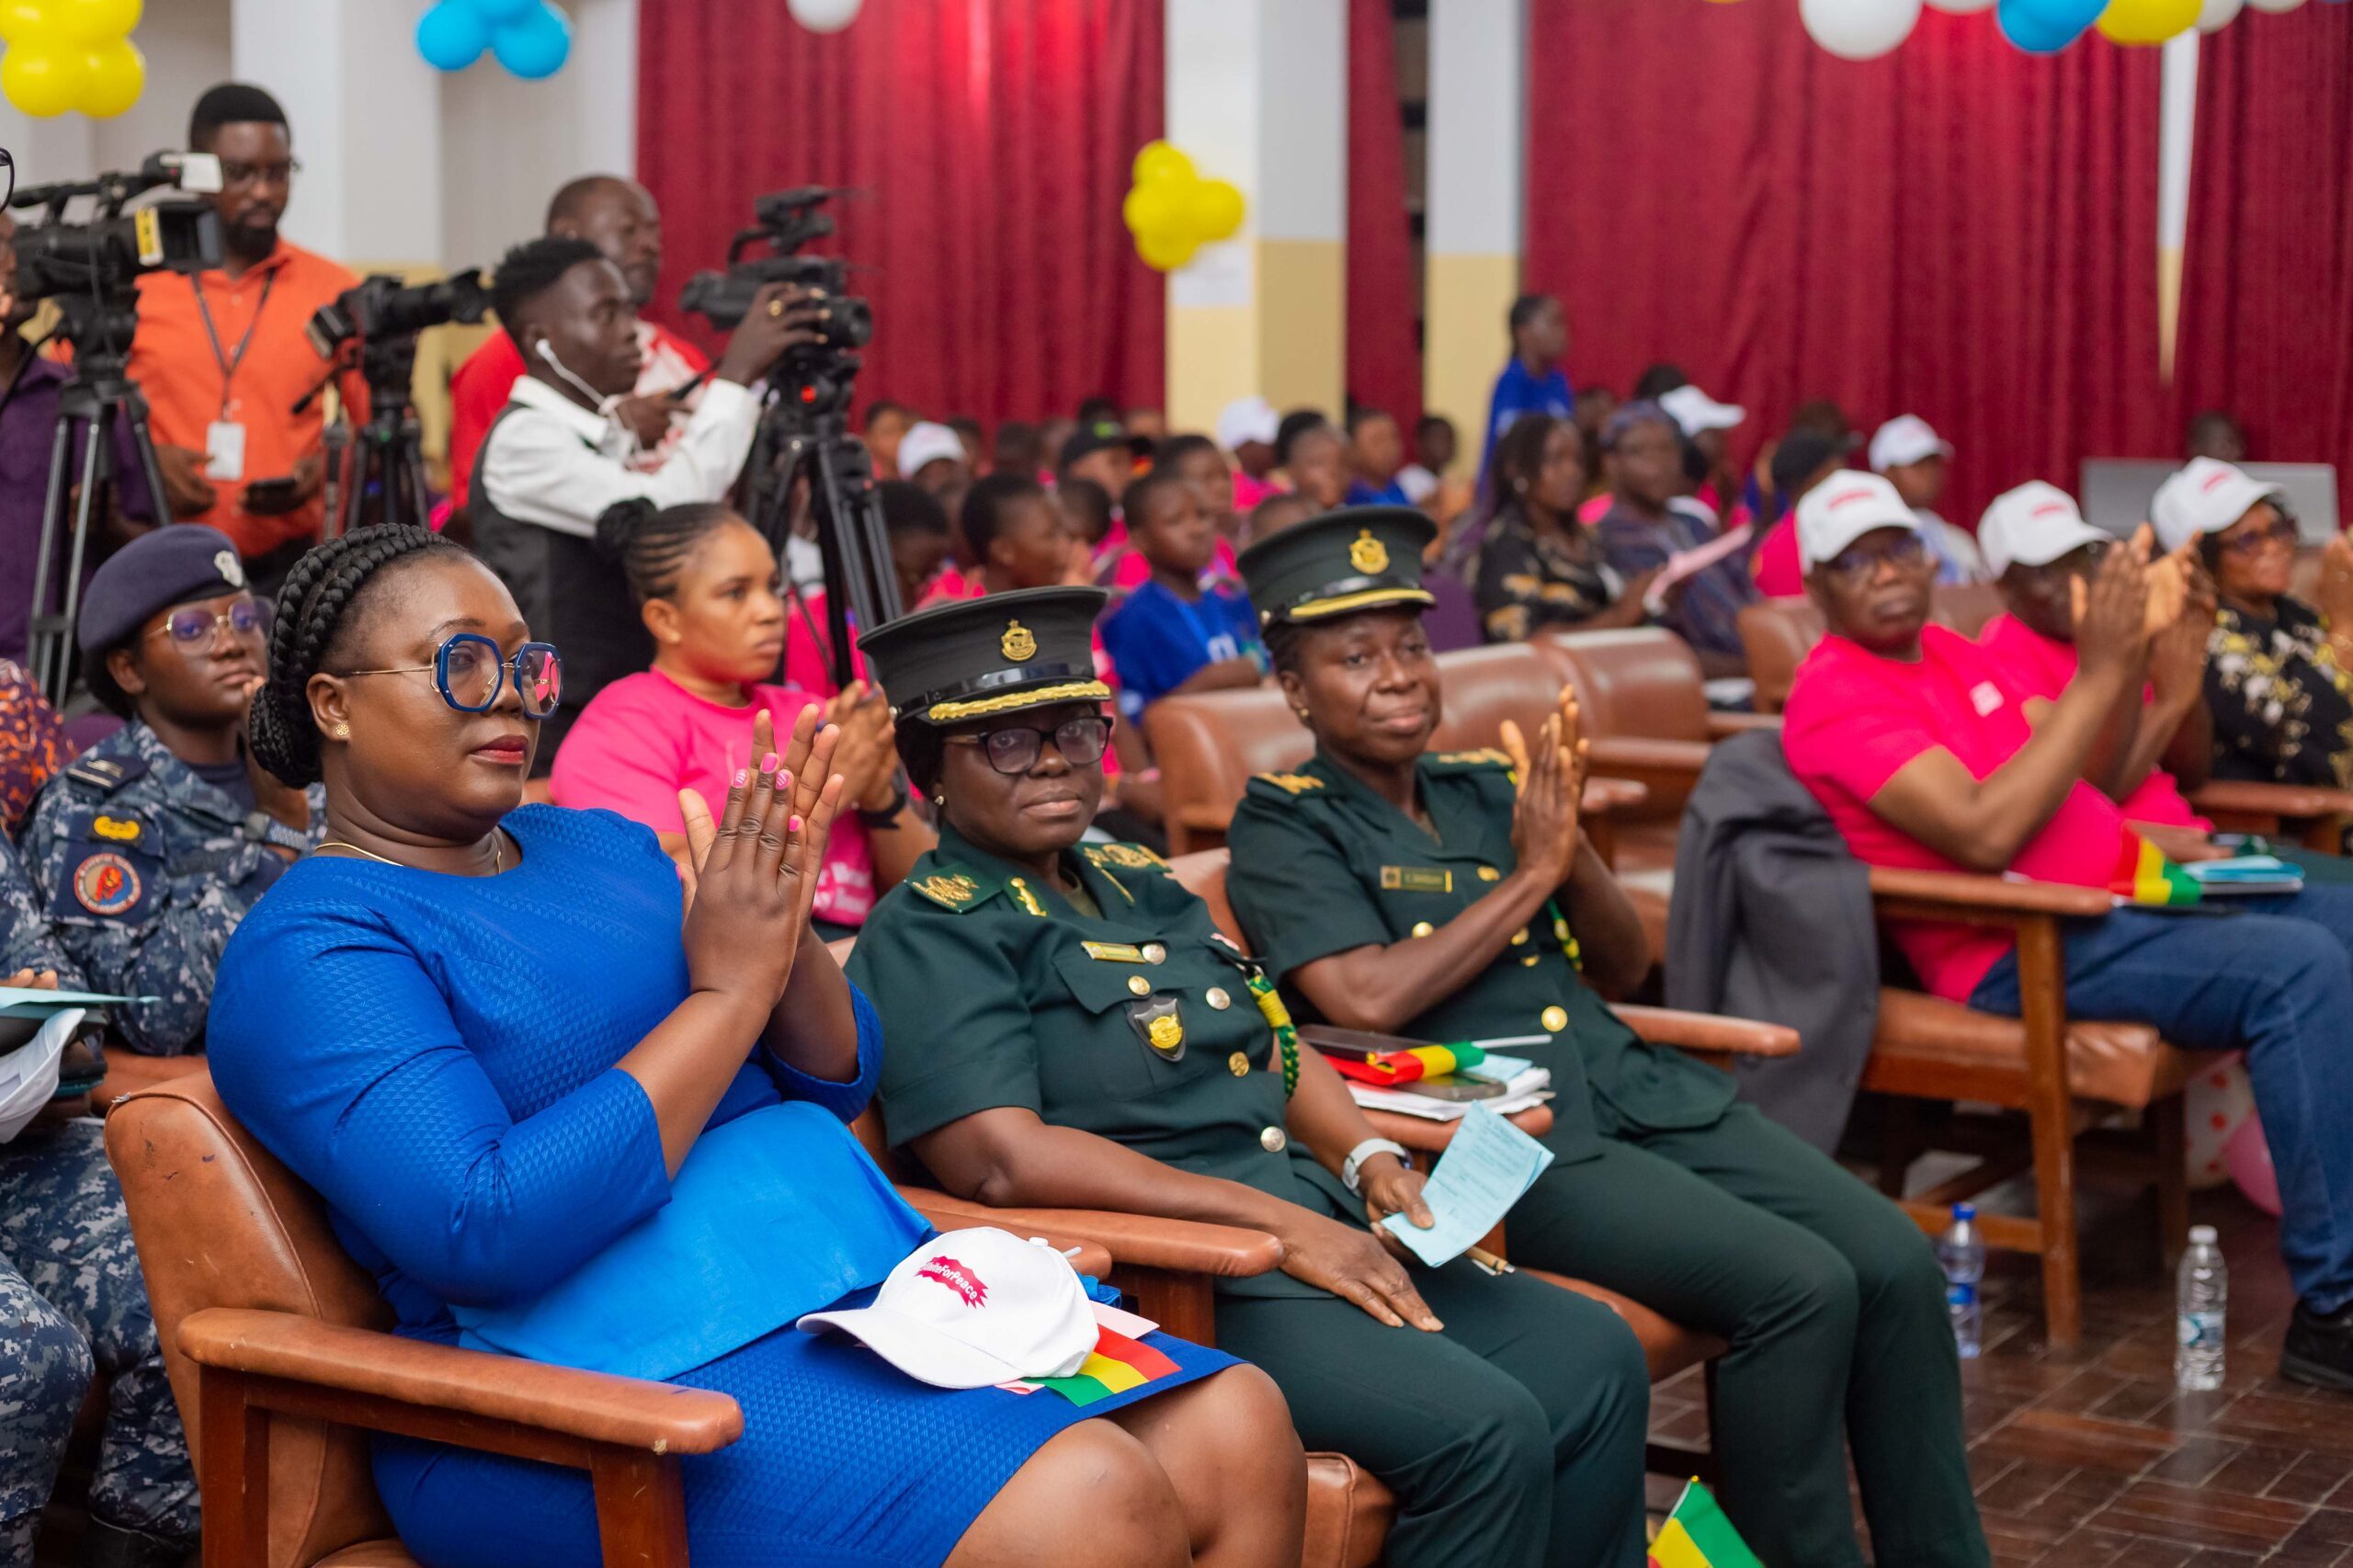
[2282, 705]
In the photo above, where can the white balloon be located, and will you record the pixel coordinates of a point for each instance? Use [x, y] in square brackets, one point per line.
[1859, 29]
[824, 16]
[2215, 15]
[2275, 6]
[1962, 7]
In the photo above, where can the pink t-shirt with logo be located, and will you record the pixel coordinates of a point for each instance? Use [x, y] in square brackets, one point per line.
[645, 738]
[1854, 719]
[2036, 665]
[1778, 573]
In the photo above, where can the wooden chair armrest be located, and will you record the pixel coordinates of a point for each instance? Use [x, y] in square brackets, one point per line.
[1183, 1246]
[1423, 1136]
[1619, 756]
[594, 1407]
[1707, 1032]
[1086, 1257]
[1603, 796]
[1957, 895]
[1722, 725]
[2248, 798]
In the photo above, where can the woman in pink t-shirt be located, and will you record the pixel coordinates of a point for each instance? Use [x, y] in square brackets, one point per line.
[711, 596]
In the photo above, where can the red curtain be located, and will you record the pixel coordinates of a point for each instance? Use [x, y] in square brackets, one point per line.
[992, 140]
[2267, 320]
[1956, 231]
[1384, 358]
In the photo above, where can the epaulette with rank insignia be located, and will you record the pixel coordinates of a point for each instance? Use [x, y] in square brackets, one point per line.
[954, 888]
[1122, 856]
[106, 775]
[1293, 784]
[1487, 757]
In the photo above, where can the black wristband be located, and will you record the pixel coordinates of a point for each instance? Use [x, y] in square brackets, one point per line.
[889, 814]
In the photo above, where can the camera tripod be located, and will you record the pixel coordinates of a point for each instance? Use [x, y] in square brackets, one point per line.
[385, 481]
[805, 432]
[99, 400]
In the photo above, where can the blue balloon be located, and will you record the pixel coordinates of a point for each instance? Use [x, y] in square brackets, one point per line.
[497, 11]
[2046, 27]
[452, 36]
[535, 44]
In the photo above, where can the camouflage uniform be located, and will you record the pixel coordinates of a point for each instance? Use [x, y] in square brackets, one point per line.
[144, 869]
[72, 1300]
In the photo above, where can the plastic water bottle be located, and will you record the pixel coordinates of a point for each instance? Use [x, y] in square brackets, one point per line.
[2199, 1305]
[1964, 1257]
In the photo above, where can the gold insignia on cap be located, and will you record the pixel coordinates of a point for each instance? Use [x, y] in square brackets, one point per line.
[1017, 643]
[1166, 1032]
[232, 570]
[1368, 555]
[1554, 1019]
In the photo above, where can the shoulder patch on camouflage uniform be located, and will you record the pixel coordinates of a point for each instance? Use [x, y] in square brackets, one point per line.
[1292, 784]
[956, 888]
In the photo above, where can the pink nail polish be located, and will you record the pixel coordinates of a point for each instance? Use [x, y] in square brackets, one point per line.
[742, 773]
[767, 763]
[795, 824]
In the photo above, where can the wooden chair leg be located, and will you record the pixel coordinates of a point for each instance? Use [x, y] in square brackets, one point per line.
[233, 1471]
[1899, 1142]
[2044, 1009]
[2170, 1129]
[641, 1508]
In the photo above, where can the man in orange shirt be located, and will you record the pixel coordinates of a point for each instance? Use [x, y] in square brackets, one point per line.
[222, 356]
[619, 217]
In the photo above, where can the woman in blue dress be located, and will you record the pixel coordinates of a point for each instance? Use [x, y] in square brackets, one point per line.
[488, 1038]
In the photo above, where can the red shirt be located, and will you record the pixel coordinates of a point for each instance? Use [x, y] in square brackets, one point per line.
[1855, 718]
[480, 387]
[2036, 665]
[1776, 567]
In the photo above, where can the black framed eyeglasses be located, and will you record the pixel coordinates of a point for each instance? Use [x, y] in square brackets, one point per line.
[235, 171]
[1016, 748]
[2254, 541]
[470, 672]
[193, 625]
[1905, 549]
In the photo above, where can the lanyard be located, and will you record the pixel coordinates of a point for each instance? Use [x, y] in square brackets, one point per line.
[228, 363]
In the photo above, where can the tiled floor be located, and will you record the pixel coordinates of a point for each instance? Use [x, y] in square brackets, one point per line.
[2094, 1460]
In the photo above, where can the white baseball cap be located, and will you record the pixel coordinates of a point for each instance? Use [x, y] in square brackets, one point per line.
[927, 443]
[1245, 420]
[1695, 411]
[2205, 499]
[969, 1308]
[1842, 509]
[1906, 439]
[2033, 526]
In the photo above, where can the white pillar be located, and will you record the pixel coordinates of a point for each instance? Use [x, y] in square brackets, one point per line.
[1472, 241]
[1257, 95]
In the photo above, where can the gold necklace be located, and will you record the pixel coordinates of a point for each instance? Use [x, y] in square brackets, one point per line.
[497, 853]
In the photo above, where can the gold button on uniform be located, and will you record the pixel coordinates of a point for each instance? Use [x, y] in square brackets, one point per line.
[1219, 999]
[1154, 953]
[1272, 1140]
[1143, 987]
[1519, 937]
[1423, 927]
[1238, 1064]
[1489, 874]
[1555, 1019]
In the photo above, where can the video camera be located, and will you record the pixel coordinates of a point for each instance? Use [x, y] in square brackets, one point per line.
[382, 307]
[103, 255]
[786, 220]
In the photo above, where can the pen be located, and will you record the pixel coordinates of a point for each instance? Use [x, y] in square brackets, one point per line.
[1489, 1261]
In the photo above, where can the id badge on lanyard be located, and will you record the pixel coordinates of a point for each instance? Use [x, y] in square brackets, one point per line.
[225, 438]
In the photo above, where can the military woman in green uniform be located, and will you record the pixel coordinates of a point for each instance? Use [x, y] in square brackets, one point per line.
[1065, 1027]
[1453, 897]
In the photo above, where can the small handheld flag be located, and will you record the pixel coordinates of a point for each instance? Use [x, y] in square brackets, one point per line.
[1697, 1535]
[2143, 875]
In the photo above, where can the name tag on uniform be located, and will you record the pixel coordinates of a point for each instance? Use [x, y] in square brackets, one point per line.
[1113, 953]
[1416, 879]
[224, 450]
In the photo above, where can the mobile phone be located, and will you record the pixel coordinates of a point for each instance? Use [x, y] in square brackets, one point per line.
[1353, 1045]
[1454, 1087]
[268, 496]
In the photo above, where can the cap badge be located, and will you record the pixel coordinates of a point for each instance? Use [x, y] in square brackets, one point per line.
[1368, 555]
[1018, 643]
[232, 570]
[948, 1271]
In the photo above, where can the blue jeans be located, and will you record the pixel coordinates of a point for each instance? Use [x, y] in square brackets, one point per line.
[2274, 981]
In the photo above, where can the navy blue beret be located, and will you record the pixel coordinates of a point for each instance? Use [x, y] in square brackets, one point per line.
[172, 565]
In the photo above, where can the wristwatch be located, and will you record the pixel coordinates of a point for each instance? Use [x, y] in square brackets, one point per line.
[889, 814]
[1365, 1150]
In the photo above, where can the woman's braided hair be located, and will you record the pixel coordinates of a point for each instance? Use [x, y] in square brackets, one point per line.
[312, 608]
[653, 543]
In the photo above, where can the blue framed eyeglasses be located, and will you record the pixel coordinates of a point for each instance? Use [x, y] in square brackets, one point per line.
[470, 672]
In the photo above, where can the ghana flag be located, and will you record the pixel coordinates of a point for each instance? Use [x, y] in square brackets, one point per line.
[1697, 1535]
[2143, 875]
[1116, 1365]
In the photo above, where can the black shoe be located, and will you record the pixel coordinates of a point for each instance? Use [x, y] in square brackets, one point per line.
[2319, 1349]
[107, 1545]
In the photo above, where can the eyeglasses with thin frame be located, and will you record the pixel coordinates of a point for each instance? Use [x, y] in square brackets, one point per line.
[1905, 549]
[1016, 748]
[236, 171]
[2255, 540]
[470, 672]
[193, 625]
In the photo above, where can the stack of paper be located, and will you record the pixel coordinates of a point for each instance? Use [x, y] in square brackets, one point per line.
[2246, 875]
[1531, 1086]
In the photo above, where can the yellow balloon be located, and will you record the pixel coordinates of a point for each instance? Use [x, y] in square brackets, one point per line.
[44, 77]
[1158, 160]
[93, 23]
[2147, 21]
[1158, 208]
[1213, 209]
[1165, 252]
[117, 74]
[23, 20]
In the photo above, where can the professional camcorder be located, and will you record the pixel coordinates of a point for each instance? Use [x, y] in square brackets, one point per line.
[786, 220]
[381, 307]
[103, 255]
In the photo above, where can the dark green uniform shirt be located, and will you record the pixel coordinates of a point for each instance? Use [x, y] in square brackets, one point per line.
[1139, 1026]
[1322, 864]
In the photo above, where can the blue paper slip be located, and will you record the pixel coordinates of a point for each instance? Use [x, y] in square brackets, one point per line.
[22, 1001]
[1485, 1170]
[1498, 1068]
